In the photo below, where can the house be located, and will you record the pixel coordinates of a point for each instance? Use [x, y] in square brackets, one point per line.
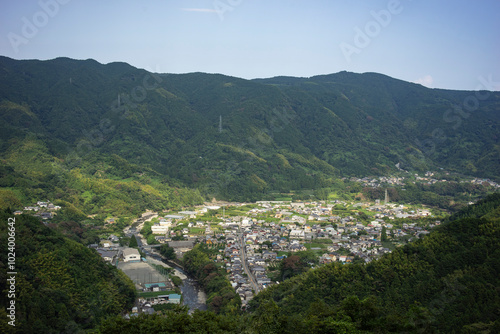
[113, 238]
[131, 255]
[310, 236]
[174, 298]
[259, 262]
[46, 215]
[326, 258]
[263, 280]
[161, 239]
[297, 234]
[107, 255]
[258, 270]
[159, 286]
[297, 248]
[269, 255]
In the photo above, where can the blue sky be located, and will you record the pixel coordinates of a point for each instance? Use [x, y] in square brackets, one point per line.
[441, 44]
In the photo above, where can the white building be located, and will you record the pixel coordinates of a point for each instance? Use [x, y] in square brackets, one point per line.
[159, 229]
[165, 222]
[246, 223]
[299, 234]
[131, 255]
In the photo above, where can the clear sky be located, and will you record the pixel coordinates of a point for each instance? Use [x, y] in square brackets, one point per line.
[439, 43]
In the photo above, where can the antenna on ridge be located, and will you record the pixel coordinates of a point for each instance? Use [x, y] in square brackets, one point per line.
[220, 123]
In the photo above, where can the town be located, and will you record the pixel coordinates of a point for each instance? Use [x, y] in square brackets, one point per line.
[251, 242]
[251, 239]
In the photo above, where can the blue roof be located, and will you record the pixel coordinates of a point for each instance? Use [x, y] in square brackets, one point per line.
[174, 296]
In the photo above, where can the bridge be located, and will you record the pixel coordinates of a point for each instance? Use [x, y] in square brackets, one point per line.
[150, 246]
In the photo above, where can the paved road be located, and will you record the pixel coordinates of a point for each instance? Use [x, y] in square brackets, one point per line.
[244, 262]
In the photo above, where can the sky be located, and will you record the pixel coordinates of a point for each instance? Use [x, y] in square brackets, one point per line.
[451, 44]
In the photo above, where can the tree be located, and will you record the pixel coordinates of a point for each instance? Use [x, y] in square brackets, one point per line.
[168, 252]
[383, 236]
[124, 241]
[133, 242]
[176, 280]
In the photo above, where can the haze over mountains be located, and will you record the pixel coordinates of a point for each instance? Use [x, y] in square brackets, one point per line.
[231, 138]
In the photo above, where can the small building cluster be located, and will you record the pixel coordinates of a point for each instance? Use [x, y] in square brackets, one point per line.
[45, 210]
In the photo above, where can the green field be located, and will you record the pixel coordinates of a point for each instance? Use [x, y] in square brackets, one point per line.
[196, 230]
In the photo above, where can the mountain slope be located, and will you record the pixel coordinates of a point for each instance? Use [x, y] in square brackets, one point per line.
[61, 285]
[233, 138]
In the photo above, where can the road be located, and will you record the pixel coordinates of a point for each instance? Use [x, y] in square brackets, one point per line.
[192, 295]
[245, 267]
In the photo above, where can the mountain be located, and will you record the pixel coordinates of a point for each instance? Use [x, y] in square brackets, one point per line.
[60, 286]
[83, 128]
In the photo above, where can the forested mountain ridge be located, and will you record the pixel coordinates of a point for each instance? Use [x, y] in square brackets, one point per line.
[60, 285]
[231, 138]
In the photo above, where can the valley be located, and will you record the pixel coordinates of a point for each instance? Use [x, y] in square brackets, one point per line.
[344, 202]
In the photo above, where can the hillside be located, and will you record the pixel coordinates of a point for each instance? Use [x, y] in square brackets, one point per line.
[84, 129]
[61, 286]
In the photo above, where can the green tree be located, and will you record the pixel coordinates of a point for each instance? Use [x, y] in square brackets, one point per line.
[168, 252]
[383, 235]
[133, 242]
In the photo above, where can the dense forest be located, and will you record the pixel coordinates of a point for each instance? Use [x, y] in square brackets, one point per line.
[114, 139]
[61, 285]
[447, 282]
